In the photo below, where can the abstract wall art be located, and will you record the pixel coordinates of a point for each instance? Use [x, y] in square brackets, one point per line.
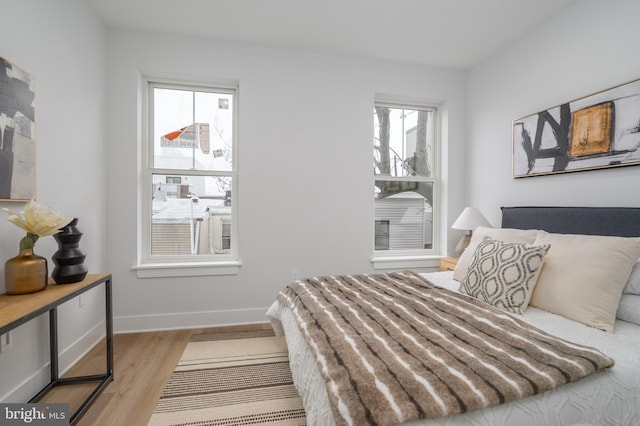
[17, 133]
[597, 131]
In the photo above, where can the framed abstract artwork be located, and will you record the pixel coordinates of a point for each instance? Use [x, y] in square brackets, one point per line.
[597, 131]
[17, 133]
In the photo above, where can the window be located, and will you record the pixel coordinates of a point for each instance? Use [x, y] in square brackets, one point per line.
[188, 187]
[405, 179]
[382, 235]
[225, 235]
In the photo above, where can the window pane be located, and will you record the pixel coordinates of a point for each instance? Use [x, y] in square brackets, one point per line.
[191, 215]
[192, 129]
[403, 141]
[382, 234]
[407, 214]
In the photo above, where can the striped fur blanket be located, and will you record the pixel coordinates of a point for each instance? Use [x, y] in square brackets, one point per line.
[394, 348]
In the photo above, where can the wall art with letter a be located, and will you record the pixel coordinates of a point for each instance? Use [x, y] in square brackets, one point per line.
[597, 131]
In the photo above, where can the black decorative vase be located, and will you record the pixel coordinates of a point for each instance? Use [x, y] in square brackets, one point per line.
[69, 259]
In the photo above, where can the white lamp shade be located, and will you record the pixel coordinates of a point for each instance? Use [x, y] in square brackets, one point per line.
[470, 219]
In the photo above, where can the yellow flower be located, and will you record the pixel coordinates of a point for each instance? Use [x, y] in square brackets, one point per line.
[38, 221]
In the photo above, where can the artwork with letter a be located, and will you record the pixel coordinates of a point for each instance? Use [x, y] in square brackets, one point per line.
[597, 131]
[17, 133]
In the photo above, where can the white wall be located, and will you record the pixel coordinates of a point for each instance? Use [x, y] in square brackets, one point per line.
[590, 47]
[305, 185]
[63, 45]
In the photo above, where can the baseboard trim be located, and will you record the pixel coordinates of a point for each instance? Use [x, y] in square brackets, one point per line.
[66, 359]
[188, 320]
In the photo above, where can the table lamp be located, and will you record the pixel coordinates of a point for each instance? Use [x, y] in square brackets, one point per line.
[469, 219]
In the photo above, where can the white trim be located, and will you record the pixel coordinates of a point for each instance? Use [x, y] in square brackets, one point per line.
[184, 269]
[405, 262]
[189, 320]
[405, 178]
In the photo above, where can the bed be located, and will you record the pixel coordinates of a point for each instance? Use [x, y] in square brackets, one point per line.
[568, 302]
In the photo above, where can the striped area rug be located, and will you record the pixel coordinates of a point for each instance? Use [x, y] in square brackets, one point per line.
[231, 382]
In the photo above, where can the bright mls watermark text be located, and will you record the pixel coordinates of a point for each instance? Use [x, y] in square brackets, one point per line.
[34, 414]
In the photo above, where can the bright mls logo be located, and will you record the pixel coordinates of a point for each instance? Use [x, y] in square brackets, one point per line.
[34, 414]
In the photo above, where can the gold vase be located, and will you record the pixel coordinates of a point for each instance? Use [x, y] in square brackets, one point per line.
[25, 273]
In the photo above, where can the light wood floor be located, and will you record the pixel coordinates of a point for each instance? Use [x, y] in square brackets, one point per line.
[143, 362]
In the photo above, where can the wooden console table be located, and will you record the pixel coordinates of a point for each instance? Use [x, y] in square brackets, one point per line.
[16, 310]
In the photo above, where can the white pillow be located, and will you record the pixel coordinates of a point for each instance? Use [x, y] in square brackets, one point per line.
[509, 235]
[633, 284]
[629, 308]
[504, 274]
[584, 275]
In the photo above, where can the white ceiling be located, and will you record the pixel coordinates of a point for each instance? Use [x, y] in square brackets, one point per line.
[453, 33]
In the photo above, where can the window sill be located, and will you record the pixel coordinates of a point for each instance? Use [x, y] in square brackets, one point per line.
[404, 262]
[167, 270]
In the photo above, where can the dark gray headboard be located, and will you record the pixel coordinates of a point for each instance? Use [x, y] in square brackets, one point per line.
[616, 221]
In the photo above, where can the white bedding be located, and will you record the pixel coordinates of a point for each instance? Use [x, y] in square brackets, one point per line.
[611, 397]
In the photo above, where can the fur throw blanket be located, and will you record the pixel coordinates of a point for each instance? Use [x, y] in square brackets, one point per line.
[394, 348]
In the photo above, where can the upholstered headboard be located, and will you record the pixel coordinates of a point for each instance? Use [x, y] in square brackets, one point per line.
[615, 221]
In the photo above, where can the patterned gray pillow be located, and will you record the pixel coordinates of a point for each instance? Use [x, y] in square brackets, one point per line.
[504, 274]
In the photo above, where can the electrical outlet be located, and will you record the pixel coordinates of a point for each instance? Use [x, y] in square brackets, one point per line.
[5, 341]
[294, 275]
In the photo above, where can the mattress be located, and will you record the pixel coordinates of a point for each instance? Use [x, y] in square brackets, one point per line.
[610, 397]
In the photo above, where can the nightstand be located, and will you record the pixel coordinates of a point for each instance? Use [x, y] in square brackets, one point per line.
[448, 263]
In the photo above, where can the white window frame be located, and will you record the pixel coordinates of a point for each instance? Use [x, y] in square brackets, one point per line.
[418, 258]
[149, 266]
